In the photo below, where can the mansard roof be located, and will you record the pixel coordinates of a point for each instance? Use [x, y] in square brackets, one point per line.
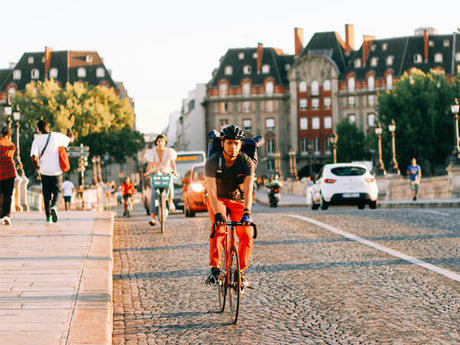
[403, 50]
[237, 58]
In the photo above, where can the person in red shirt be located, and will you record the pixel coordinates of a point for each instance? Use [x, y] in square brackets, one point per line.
[127, 190]
[7, 173]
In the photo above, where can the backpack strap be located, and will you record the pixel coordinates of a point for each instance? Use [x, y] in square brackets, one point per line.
[220, 166]
[46, 145]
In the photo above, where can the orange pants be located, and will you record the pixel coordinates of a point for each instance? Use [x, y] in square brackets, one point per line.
[244, 233]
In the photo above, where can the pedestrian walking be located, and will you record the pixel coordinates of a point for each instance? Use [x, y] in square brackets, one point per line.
[7, 173]
[45, 158]
[415, 174]
[308, 187]
[67, 190]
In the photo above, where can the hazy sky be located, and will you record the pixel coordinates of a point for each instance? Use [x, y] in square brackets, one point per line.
[161, 50]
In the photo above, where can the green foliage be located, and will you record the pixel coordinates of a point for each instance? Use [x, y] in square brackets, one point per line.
[420, 105]
[351, 144]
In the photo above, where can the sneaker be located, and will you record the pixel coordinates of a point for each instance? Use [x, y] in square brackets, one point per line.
[172, 207]
[213, 278]
[48, 220]
[6, 220]
[244, 282]
[54, 215]
[414, 198]
[152, 222]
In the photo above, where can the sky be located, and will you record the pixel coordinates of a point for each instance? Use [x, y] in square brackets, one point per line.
[161, 50]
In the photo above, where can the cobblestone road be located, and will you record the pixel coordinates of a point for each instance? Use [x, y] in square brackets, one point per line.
[311, 286]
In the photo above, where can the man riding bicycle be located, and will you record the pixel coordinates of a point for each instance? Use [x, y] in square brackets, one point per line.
[229, 185]
[128, 190]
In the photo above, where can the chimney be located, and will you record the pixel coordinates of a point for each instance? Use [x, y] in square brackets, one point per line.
[298, 40]
[48, 51]
[367, 41]
[425, 36]
[349, 38]
[260, 50]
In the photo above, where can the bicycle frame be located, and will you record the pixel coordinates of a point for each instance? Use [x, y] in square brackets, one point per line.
[160, 183]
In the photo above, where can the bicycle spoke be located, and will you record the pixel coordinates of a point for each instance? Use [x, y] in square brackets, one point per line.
[234, 288]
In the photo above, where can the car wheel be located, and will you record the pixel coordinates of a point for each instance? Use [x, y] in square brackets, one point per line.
[314, 206]
[361, 206]
[191, 213]
[373, 204]
[324, 204]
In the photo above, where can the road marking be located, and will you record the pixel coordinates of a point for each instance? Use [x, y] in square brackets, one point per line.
[395, 253]
[435, 212]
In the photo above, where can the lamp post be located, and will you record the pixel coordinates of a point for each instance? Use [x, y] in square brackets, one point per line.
[16, 118]
[333, 139]
[310, 156]
[8, 109]
[394, 169]
[456, 154]
[380, 168]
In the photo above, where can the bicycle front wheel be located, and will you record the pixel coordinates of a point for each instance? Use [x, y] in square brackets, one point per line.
[162, 213]
[234, 286]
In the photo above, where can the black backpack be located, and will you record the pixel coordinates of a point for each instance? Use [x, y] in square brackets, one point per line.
[249, 147]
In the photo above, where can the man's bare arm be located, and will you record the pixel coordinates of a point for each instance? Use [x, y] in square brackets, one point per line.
[211, 187]
[248, 187]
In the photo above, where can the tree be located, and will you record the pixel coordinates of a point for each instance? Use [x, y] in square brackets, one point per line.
[351, 145]
[420, 105]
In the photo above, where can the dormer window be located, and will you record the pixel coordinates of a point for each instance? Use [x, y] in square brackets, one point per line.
[431, 43]
[357, 63]
[389, 81]
[17, 74]
[457, 56]
[389, 60]
[266, 69]
[351, 84]
[374, 61]
[30, 60]
[384, 46]
[370, 83]
[89, 58]
[446, 43]
[373, 47]
[241, 56]
[247, 69]
[246, 89]
[53, 73]
[418, 58]
[81, 72]
[100, 72]
[287, 67]
[223, 90]
[269, 88]
[254, 56]
[438, 57]
[35, 73]
[228, 70]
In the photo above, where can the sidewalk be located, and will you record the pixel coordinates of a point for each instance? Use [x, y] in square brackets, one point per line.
[56, 279]
[291, 200]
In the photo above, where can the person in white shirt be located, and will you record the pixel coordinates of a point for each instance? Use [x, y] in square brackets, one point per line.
[161, 159]
[45, 158]
[67, 190]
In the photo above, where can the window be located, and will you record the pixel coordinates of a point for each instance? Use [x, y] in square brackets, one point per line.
[315, 104]
[373, 47]
[287, 67]
[357, 63]
[457, 56]
[30, 60]
[269, 106]
[270, 124]
[370, 100]
[302, 86]
[303, 104]
[384, 46]
[270, 165]
[418, 58]
[17, 74]
[269, 88]
[304, 145]
[438, 57]
[374, 61]
[254, 56]
[241, 56]
[327, 145]
[351, 84]
[351, 102]
[352, 118]
[35, 73]
[247, 69]
[246, 107]
[271, 145]
[315, 122]
[327, 103]
[247, 125]
[89, 58]
[303, 123]
[228, 70]
[371, 119]
[223, 107]
[223, 90]
[389, 60]
[370, 83]
[81, 72]
[223, 123]
[246, 89]
[327, 122]
[191, 105]
[431, 43]
[316, 145]
[53, 73]
[315, 88]
[327, 85]
[100, 72]
[266, 69]
[446, 43]
[389, 81]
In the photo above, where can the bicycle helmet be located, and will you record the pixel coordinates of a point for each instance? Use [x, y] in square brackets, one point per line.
[232, 132]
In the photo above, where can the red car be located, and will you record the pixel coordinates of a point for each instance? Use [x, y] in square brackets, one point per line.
[194, 191]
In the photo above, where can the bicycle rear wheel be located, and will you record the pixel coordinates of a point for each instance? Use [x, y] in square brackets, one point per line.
[222, 288]
[234, 287]
[162, 213]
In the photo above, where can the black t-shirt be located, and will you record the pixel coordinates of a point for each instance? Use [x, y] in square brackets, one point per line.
[230, 182]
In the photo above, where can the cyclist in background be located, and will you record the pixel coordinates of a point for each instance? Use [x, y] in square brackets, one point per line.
[128, 190]
[230, 189]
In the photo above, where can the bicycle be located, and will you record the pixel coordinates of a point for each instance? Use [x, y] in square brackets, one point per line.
[161, 183]
[229, 280]
[129, 206]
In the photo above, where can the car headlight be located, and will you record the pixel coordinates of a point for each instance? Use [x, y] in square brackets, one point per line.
[197, 187]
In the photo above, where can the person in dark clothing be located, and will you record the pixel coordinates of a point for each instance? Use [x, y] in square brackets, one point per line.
[7, 173]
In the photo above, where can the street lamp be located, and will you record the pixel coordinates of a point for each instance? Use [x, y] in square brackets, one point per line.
[16, 118]
[380, 168]
[394, 169]
[456, 154]
[333, 139]
[8, 110]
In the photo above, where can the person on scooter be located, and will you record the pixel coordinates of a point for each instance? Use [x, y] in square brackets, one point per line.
[274, 187]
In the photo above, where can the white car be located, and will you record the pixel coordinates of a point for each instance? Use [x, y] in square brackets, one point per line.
[344, 184]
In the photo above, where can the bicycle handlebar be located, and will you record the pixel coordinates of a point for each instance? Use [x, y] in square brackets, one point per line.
[214, 227]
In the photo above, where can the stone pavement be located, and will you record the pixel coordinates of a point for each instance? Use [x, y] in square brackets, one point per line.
[56, 279]
[291, 200]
